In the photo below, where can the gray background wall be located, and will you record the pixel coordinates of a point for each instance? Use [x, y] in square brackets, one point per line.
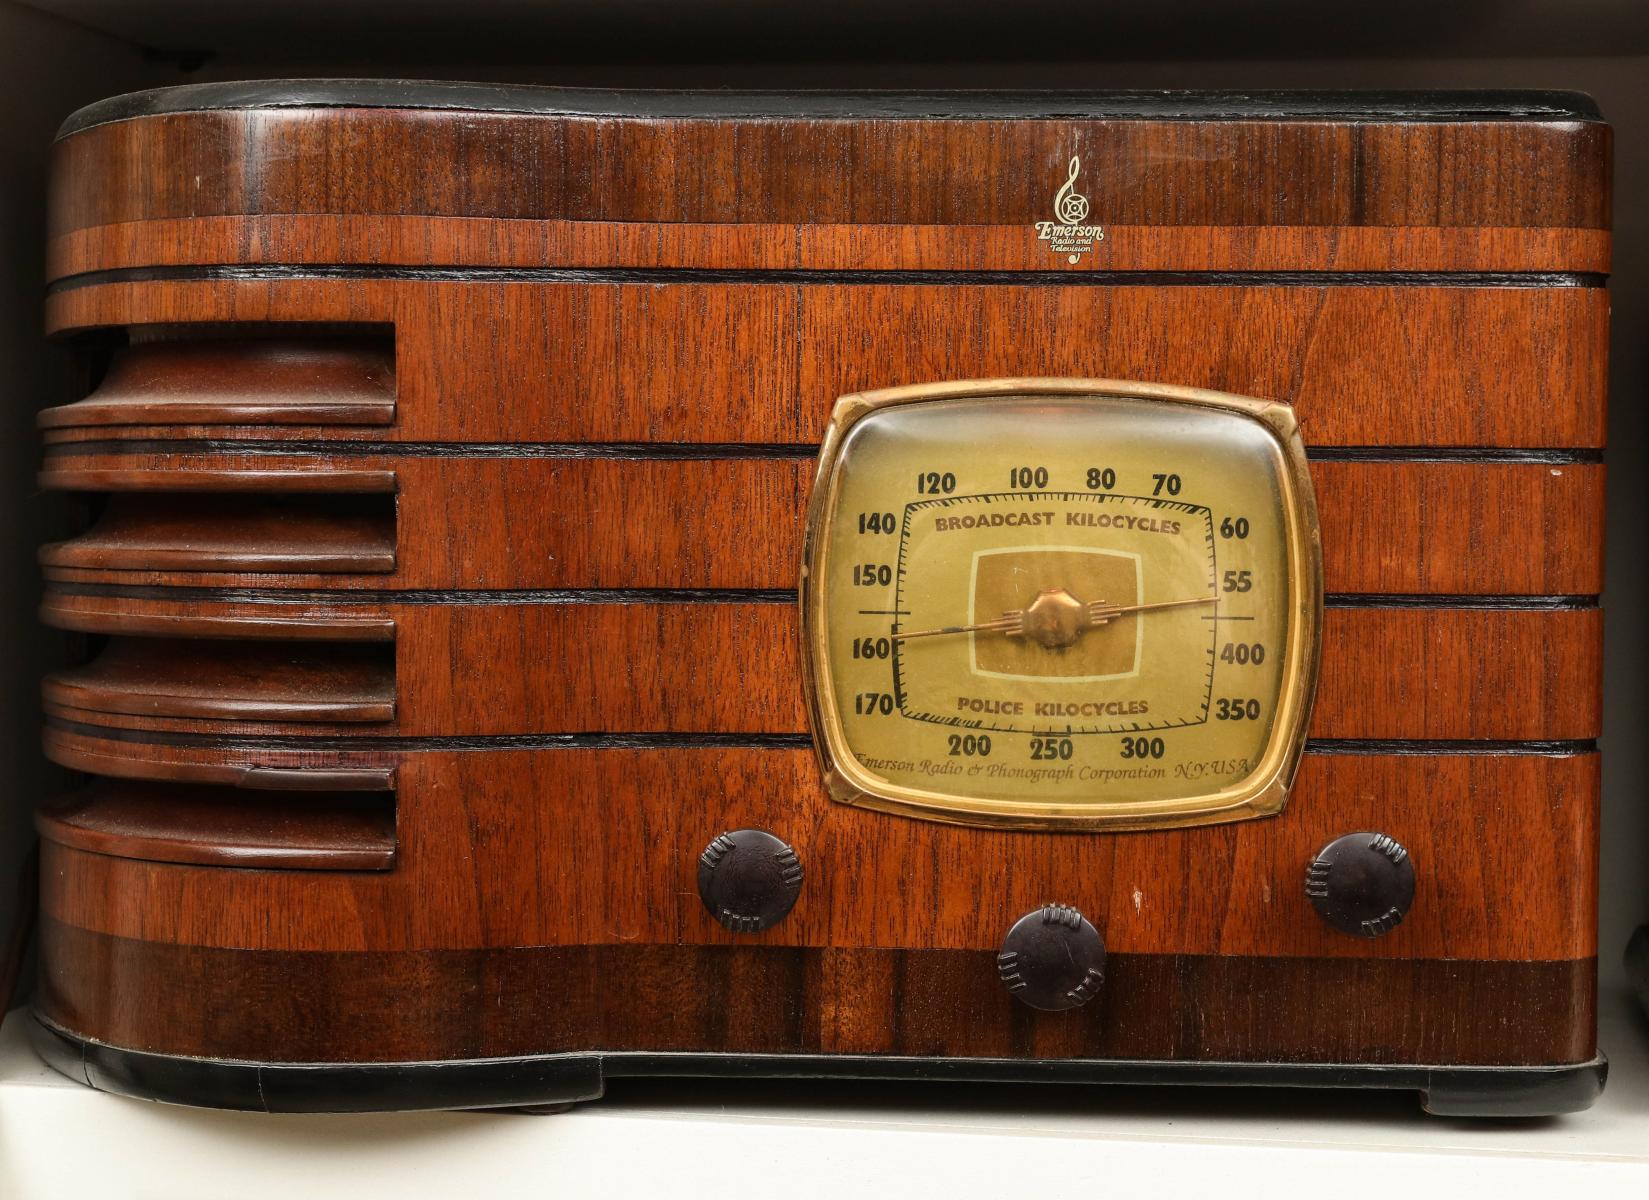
[58, 54]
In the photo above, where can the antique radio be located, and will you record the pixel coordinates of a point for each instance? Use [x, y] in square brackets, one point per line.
[1196, 506]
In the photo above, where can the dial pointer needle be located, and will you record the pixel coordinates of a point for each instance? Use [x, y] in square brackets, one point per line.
[1012, 623]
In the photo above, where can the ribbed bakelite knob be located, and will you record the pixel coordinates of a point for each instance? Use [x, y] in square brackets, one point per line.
[749, 879]
[1362, 884]
[1052, 959]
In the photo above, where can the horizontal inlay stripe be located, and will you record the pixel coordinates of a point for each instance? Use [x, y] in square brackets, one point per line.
[103, 443]
[461, 596]
[278, 272]
[737, 741]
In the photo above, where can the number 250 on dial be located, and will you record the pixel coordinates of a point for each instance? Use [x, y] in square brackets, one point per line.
[1061, 603]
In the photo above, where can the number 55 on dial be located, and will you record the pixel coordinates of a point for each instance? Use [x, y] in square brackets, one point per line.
[1061, 604]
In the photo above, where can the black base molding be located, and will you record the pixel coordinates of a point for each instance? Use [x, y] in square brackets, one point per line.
[557, 1079]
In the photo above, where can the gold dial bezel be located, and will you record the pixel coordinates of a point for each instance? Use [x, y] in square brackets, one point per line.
[1264, 792]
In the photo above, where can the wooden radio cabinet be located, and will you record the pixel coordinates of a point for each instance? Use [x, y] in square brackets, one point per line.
[452, 733]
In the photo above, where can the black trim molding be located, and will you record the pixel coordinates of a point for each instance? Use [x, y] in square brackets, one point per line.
[1270, 105]
[721, 741]
[552, 1079]
[716, 451]
[357, 596]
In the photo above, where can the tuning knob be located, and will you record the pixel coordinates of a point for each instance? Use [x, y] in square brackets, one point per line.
[1052, 959]
[749, 879]
[1362, 884]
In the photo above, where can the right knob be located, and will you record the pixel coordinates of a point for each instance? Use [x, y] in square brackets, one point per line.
[1362, 884]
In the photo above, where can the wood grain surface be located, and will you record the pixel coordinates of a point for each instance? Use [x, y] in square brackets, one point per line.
[763, 362]
[224, 381]
[226, 827]
[445, 474]
[231, 680]
[1408, 528]
[419, 241]
[1313, 172]
[729, 667]
[512, 847]
[256, 533]
[271, 1006]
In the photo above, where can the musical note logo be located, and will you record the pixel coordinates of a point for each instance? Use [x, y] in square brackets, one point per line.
[1070, 205]
[1067, 234]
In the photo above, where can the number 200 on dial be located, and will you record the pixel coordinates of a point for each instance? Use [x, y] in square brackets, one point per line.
[1061, 604]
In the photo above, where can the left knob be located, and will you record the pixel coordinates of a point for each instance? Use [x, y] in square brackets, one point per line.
[749, 879]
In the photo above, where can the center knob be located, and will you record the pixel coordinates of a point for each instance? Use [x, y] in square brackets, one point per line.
[1055, 619]
[1052, 959]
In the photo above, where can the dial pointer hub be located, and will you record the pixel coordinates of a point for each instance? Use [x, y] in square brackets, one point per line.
[1054, 620]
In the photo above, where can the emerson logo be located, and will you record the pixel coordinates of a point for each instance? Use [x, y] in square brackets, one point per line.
[1067, 234]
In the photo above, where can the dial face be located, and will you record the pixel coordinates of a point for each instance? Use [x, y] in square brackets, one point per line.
[1063, 609]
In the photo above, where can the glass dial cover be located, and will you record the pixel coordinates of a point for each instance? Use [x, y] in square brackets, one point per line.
[1061, 603]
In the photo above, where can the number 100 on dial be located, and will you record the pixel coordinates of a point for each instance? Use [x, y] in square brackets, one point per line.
[1061, 603]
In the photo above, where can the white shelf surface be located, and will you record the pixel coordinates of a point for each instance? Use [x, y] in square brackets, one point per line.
[682, 1140]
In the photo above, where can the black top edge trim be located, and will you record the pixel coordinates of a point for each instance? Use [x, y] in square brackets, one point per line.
[357, 596]
[725, 450]
[292, 272]
[1283, 105]
[725, 741]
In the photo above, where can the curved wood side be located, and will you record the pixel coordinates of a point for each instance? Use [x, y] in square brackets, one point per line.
[582, 846]
[411, 240]
[1428, 673]
[226, 827]
[183, 619]
[231, 680]
[121, 478]
[119, 755]
[229, 381]
[323, 1007]
[1450, 528]
[492, 361]
[253, 533]
[955, 172]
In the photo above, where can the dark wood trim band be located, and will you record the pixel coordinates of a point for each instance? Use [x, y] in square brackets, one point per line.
[323, 1006]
